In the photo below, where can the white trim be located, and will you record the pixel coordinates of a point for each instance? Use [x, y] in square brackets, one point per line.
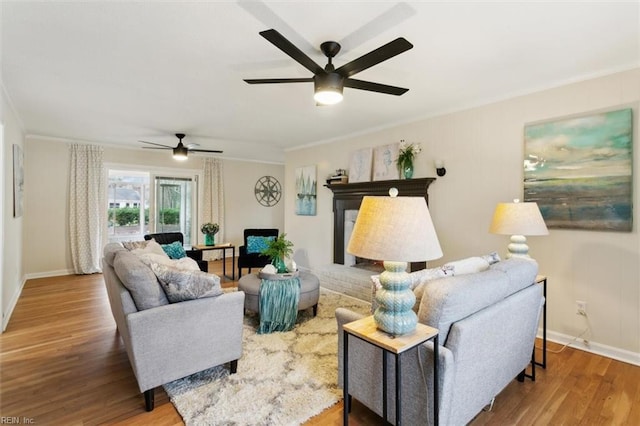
[47, 274]
[11, 306]
[593, 347]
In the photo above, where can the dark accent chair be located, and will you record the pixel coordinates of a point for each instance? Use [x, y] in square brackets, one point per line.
[170, 237]
[253, 260]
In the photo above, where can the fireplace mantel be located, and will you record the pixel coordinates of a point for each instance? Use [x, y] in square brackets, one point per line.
[348, 196]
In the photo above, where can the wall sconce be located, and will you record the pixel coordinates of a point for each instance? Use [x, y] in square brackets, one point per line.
[440, 170]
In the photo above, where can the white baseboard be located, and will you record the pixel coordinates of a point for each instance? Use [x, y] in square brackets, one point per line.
[12, 305]
[48, 274]
[593, 347]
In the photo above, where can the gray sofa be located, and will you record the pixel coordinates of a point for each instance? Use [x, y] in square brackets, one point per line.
[487, 322]
[167, 341]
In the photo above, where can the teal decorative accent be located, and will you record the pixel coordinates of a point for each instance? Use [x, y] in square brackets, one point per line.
[395, 301]
[209, 239]
[278, 304]
[174, 250]
[407, 171]
[257, 244]
[278, 262]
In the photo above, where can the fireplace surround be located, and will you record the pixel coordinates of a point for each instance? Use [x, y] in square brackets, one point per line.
[348, 196]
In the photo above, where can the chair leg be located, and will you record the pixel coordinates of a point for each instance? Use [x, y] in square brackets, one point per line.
[315, 310]
[521, 376]
[149, 399]
[233, 366]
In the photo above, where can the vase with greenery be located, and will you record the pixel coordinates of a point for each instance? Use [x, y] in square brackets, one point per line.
[210, 230]
[277, 250]
[406, 155]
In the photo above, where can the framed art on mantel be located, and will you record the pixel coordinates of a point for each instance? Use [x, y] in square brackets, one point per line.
[384, 162]
[360, 165]
[579, 171]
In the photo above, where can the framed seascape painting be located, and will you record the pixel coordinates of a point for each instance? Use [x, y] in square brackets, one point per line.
[360, 165]
[579, 170]
[306, 191]
[384, 162]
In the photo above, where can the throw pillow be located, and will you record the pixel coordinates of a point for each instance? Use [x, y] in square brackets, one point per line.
[185, 263]
[132, 245]
[492, 257]
[470, 265]
[181, 285]
[256, 244]
[152, 247]
[139, 280]
[174, 250]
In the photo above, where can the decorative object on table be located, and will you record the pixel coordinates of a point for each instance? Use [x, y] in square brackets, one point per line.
[340, 176]
[210, 230]
[360, 165]
[397, 230]
[18, 181]
[306, 190]
[440, 170]
[277, 250]
[268, 191]
[383, 162]
[406, 155]
[518, 220]
[579, 170]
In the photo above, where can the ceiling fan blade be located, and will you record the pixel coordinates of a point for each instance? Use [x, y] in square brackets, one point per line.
[278, 80]
[290, 49]
[158, 144]
[374, 87]
[155, 147]
[374, 57]
[215, 151]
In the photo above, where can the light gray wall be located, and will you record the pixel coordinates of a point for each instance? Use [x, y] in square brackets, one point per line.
[46, 244]
[11, 271]
[483, 153]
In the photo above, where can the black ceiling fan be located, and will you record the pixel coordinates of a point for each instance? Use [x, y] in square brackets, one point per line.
[180, 151]
[330, 81]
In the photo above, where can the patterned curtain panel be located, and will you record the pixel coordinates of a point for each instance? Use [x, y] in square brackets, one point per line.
[87, 207]
[213, 198]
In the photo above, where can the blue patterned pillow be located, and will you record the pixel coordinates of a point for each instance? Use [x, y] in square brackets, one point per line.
[174, 250]
[258, 244]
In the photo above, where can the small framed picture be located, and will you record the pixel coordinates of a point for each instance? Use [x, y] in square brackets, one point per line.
[360, 165]
[384, 162]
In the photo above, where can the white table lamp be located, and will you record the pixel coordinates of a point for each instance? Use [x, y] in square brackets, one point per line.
[397, 230]
[518, 220]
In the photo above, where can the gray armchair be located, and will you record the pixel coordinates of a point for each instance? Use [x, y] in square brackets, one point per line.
[168, 341]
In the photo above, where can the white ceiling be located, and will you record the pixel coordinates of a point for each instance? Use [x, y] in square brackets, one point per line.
[120, 72]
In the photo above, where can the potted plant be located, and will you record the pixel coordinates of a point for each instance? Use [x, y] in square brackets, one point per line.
[406, 155]
[277, 250]
[210, 230]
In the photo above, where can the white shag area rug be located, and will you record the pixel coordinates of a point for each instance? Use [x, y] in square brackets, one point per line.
[283, 378]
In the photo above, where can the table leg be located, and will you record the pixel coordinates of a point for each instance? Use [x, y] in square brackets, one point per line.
[233, 263]
[384, 385]
[543, 364]
[345, 379]
[436, 360]
[398, 390]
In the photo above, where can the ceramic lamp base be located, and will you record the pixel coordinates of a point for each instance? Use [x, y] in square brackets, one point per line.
[395, 301]
[518, 247]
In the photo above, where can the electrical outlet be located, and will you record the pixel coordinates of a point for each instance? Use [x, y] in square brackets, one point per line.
[581, 308]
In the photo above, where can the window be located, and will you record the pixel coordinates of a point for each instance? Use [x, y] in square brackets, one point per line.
[127, 192]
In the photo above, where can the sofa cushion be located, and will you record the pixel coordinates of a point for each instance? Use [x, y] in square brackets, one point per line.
[174, 250]
[140, 280]
[257, 244]
[181, 285]
[110, 251]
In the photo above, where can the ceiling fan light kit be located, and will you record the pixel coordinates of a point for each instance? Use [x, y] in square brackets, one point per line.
[328, 88]
[329, 81]
[180, 152]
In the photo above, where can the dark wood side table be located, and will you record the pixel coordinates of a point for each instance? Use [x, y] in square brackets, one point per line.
[365, 329]
[542, 279]
[223, 247]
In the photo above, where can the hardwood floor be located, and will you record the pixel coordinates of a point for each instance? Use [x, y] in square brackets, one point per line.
[62, 363]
